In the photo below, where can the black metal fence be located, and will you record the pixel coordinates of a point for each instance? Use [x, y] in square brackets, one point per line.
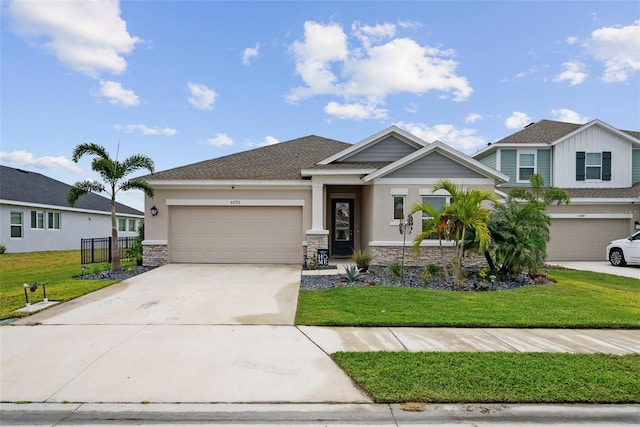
[99, 249]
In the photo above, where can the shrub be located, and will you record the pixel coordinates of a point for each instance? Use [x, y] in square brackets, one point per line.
[312, 264]
[428, 271]
[362, 258]
[395, 270]
[3, 249]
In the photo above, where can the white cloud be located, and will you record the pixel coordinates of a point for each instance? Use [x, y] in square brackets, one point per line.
[574, 73]
[472, 118]
[201, 96]
[146, 130]
[619, 49]
[24, 158]
[250, 53]
[86, 36]
[464, 140]
[269, 140]
[517, 120]
[372, 67]
[220, 140]
[354, 111]
[572, 40]
[118, 95]
[570, 116]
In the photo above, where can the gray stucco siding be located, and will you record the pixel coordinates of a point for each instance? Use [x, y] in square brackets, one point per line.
[435, 165]
[387, 150]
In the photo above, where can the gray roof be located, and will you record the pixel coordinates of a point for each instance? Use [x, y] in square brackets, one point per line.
[547, 132]
[30, 187]
[282, 161]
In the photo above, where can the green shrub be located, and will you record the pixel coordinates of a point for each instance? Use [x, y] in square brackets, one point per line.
[395, 270]
[3, 249]
[362, 258]
[351, 274]
[429, 271]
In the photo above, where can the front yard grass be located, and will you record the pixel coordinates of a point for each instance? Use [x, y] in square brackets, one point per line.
[495, 377]
[578, 300]
[56, 268]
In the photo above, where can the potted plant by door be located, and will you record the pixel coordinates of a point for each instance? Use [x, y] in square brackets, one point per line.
[362, 258]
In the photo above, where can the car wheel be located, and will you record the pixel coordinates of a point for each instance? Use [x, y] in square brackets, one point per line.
[616, 258]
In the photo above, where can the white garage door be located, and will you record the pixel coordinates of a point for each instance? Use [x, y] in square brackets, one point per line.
[234, 234]
[583, 239]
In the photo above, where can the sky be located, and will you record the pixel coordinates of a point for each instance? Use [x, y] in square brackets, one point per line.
[187, 81]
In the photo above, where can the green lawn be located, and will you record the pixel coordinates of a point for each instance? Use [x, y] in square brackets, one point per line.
[495, 377]
[578, 300]
[56, 268]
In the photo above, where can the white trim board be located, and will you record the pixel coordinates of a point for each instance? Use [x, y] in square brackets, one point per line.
[233, 202]
[591, 215]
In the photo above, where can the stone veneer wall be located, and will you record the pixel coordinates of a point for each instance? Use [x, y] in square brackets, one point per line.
[315, 242]
[388, 255]
[155, 255]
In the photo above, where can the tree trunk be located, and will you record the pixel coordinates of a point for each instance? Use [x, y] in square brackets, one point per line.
[487, 256]
[115, 250]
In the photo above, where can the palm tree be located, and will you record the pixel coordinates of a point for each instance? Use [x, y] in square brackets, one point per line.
[435, 224]
[465, 213]
[114, 174]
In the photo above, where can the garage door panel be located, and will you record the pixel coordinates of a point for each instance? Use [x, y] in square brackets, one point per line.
[260, 234]
[585, 239]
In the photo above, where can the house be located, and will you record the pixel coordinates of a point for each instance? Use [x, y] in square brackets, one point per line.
[596, 163]
[281, 203]
[35, 216]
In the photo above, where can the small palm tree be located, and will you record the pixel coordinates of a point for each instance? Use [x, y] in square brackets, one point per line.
[436, 224]
[466, 213]
[114, 174]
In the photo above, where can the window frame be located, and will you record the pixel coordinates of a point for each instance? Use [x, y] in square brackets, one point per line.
[519, 167]
[401, 199]
[447, 201]
[592, 166]
[14, 225]
[53, 220]
[131, 224]
[37, 220]
[122, 224]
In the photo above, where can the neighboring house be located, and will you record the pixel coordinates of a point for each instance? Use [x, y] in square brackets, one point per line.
[597, 164]
[35, 216]
[281, 203]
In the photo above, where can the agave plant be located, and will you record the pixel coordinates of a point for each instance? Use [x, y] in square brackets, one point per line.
[351, 274]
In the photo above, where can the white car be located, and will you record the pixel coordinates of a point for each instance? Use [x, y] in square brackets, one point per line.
[623, 251]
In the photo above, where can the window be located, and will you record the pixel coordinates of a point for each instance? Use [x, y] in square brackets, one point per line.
[37, 220]
[437, 202]
[53, 220]
[16, 225]
[132, 224]
[526, 166]
[122, 224]
[593, 166]
[398, 207]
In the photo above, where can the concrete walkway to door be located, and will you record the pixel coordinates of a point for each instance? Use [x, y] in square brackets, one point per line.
[180, 333]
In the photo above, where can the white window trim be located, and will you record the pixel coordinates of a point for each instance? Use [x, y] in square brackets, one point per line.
[535, 164]
[395, 221]
[52, 226]
[125, 224]
[11, 224]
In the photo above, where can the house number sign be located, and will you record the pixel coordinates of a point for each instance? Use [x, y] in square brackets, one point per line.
[234, 202]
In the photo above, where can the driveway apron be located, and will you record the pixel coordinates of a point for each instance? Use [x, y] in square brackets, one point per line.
[179, 333]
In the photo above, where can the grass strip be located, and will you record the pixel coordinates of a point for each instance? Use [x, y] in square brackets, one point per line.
[495, 377]
[56, 268]
[578, 300]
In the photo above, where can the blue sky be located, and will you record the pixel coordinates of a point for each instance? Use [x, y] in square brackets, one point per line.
[186, 81]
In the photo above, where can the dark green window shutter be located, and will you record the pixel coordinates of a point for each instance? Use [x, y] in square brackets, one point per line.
[606, 165]
[580, 166]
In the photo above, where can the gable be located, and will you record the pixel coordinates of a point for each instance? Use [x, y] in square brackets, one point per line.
[389, 149]
[434, 165]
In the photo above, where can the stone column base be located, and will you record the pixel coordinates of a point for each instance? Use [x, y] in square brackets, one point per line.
[155, 255]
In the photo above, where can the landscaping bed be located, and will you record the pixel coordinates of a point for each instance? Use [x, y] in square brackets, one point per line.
[412, 278]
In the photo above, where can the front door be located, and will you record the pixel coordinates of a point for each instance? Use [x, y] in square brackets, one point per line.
[342, 227]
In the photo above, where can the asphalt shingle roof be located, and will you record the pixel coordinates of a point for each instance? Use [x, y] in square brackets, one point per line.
[282, 161]
[31, 187]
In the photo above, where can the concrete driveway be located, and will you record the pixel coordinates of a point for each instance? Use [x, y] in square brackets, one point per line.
[180, 333]
[632, 271]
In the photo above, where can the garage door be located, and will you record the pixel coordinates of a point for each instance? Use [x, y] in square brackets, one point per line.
[583, 239]
[234, 234]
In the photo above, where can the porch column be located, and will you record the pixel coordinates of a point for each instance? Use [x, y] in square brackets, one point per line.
[317, 206]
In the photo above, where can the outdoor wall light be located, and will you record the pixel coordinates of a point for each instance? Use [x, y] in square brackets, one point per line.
[154, 210]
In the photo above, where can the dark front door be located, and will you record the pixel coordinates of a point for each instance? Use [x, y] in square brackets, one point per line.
[342, 227]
